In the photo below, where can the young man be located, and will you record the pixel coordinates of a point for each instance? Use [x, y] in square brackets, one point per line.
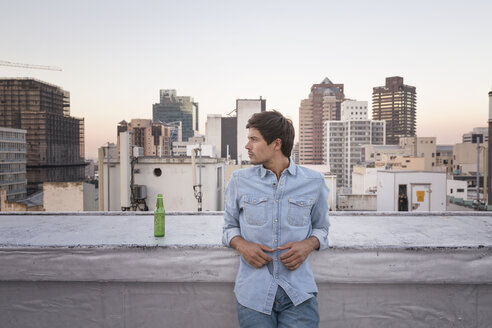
[276, 214]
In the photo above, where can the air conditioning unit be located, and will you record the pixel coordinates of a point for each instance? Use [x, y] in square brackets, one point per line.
[138, 151]
[139, 192]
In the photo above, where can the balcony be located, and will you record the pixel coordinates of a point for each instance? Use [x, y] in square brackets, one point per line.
[105, 269]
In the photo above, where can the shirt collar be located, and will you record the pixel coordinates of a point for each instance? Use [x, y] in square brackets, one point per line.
[292, 169]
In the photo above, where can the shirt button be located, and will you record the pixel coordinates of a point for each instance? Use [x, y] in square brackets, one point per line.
[276, 220]
[276, 200]
[276, 277]
[275, 240]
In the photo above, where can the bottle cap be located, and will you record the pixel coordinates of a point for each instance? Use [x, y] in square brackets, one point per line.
[159, 195]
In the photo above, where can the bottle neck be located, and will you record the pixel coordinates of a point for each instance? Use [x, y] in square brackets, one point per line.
[160, 203]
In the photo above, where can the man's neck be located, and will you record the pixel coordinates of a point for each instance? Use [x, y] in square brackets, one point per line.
[277, 165]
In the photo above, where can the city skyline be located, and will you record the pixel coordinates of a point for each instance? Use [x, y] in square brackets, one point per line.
[116, 56]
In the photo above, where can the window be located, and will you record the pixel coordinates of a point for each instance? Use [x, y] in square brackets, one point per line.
[460, 190]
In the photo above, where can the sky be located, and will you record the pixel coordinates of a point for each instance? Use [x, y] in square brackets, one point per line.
[117, 55]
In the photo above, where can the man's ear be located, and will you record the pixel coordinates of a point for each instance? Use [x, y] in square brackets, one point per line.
[278, 144]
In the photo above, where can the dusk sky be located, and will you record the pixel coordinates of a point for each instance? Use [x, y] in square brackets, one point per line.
[116, 55]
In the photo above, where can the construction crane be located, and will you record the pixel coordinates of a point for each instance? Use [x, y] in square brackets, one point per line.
[7, 63]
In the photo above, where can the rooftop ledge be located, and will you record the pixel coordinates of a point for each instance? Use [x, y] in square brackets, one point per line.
[108, 270]
[365, 247]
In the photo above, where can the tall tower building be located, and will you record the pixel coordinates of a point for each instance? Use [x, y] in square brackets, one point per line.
[395, 103]
[345, 137]
[172, 108]
[323, 104]
[54, 139]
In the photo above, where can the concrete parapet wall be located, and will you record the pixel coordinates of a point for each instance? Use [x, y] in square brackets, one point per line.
[107, 269]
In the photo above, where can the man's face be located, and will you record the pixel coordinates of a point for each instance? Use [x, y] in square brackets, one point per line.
[258, 150]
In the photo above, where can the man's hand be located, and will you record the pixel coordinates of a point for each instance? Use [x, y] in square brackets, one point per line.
[298, 252]
[253, 253]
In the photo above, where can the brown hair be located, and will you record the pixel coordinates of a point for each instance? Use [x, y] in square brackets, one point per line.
[273, 125]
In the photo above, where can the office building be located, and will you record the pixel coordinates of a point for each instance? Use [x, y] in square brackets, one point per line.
[173, 108]
[153, 137]
[13, 163]
[344, 139]
[323, 104]
[395, 103]
[480, 134]
[54, 139]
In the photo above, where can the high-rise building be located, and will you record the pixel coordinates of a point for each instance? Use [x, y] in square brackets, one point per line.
[153, 137]
[54, 139]
[323, 104]
[395, 103]
[173, 108]
[13, 163]
[245, 108]
[344, 139]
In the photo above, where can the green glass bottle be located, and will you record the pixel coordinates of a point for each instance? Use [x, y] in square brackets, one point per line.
[159, 218]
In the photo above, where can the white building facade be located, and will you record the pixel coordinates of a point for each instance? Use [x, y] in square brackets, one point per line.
[412, 191]
[213, 127]
[245, 108]
[174, 178]
[343, 139]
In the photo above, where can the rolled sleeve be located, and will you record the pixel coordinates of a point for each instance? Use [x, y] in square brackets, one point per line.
[231, 227]
[320, 216]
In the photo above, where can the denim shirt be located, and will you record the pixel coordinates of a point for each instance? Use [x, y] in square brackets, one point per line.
[266, 211]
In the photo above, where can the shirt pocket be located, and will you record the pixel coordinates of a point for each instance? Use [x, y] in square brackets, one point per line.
[255, 210]
[299, 213]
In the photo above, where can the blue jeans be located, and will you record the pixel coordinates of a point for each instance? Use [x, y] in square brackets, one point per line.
[284, 314]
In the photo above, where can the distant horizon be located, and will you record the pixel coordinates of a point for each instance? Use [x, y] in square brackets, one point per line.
[117, 55]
